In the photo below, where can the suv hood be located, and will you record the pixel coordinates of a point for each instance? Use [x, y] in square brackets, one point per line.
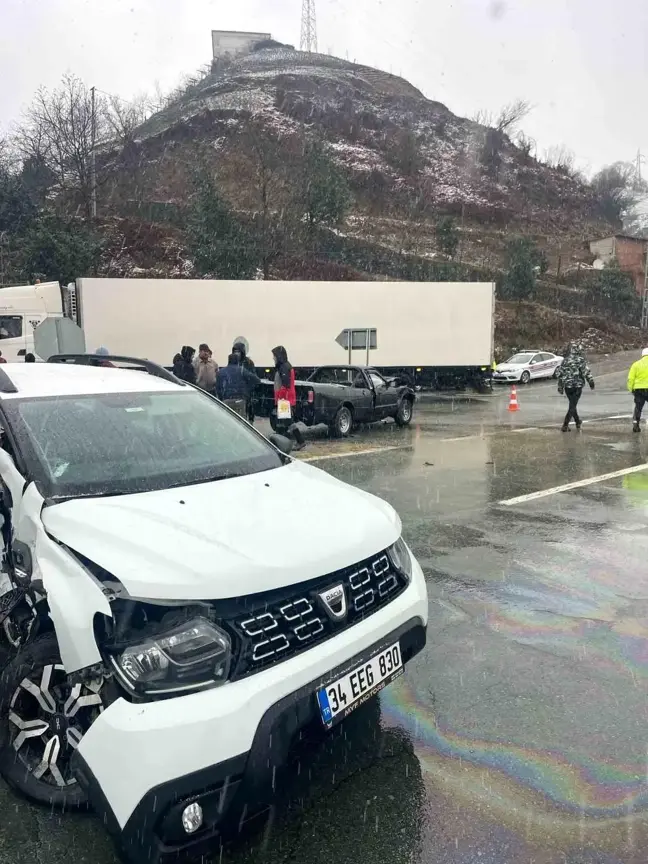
[229, 537]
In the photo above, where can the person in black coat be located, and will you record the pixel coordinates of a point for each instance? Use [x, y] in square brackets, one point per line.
[183, 367]
[247, 363]
[234, 385]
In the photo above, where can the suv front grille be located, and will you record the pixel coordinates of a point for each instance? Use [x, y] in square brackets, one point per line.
[280, 624]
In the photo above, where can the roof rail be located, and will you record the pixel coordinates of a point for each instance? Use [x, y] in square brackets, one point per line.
[97, 359]
[6, 384]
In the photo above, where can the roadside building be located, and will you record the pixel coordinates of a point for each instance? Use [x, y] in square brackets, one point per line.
[232, 43]
[629, 252]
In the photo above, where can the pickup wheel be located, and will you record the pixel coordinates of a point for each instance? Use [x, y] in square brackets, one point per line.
[404, 414]
[342, 423]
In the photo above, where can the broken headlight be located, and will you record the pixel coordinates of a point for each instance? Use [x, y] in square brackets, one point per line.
[401, 558]
[191, 656]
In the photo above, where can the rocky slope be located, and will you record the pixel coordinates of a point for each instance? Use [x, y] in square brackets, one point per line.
[405, 155]
[408, 159]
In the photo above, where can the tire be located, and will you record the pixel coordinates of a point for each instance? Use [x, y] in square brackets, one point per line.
[342, 423]
[525, 377]
[403, 416]
[39, 767]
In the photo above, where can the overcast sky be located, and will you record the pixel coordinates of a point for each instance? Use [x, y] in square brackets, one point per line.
[583, 64]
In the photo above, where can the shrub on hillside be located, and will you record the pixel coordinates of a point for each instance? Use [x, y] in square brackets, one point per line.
[447, 236]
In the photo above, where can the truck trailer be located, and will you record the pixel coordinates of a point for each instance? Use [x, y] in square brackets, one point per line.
[431, 334]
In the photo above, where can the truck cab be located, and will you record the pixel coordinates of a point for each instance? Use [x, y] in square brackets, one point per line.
[22, 309]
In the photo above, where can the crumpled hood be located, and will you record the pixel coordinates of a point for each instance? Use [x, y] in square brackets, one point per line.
[230, 537]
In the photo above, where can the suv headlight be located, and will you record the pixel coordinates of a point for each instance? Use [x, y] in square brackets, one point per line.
[401, 557]
[192, 656]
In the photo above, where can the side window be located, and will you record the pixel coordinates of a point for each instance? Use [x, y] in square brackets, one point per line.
[376, 380]
[326, 376]
[537, 358]
[11, 326]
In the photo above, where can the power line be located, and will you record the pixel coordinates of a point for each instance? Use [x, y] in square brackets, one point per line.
[308, 41]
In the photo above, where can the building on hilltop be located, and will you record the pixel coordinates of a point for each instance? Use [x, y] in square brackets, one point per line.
[232, 43]
[629, 252]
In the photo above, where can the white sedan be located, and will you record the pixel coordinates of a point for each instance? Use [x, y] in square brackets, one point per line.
[526, 365]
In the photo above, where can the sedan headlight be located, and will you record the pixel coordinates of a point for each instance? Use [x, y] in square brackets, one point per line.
[194, 655]
[401, 557]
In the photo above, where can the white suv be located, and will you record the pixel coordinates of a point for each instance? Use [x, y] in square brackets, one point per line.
[185, 599]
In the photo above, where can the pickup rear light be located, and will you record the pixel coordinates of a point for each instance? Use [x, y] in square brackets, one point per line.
[311, 397]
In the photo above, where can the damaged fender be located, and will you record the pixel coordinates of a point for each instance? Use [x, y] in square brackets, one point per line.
[74, 598]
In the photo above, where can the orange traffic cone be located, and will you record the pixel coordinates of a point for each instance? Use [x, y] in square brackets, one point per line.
[513, 403]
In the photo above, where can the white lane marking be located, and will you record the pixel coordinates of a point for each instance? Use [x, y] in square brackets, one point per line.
[610, 417]
[589, 481]
[368, 452]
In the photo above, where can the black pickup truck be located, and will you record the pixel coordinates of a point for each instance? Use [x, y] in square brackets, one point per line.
[340, 397]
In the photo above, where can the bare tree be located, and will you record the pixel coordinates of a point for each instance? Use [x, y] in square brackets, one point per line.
[526, 144]
[511, 115]
[60, 130]
[563, 160]
[618, 189]
[508, 118]
[483, 117]
[122, 118]
[270, 182]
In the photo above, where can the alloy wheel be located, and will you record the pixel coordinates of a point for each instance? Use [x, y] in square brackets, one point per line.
[48, 717]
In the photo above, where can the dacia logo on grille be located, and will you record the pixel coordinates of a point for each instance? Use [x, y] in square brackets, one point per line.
[334, 601]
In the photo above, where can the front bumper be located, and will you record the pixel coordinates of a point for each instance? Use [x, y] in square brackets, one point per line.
[506, 376]
[142, 764]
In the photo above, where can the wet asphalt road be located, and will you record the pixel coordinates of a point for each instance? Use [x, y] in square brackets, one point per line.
[520, 735]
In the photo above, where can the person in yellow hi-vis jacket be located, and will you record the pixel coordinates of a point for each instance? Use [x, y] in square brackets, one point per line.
[638, 386]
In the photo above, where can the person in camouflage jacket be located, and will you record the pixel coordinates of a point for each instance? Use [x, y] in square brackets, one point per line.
[573, 374]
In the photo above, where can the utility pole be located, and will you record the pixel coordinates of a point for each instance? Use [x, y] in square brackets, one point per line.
[93, 158]
[644, 297]
[638, 162]
[308, 41]
[2, 237]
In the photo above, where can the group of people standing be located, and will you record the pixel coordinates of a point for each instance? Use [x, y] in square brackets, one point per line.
[235, 383]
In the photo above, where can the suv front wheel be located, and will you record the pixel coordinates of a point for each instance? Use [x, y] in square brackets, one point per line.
[43, 717]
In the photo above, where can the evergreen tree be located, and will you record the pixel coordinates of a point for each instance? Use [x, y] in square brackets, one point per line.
[220, 244]
[447, 236]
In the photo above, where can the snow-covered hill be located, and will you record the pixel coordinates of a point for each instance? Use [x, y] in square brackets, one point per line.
[402, 152]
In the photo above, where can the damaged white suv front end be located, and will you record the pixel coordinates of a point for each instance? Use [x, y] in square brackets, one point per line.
[186, 600]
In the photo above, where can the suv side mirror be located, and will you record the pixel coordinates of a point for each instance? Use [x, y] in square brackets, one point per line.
[281, 443]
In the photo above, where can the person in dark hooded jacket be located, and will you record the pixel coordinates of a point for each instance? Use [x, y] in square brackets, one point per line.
[246, 362]
[183, 367]
[234, 385]
[284, 390]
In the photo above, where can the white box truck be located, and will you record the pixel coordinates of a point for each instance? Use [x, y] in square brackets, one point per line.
[437, 334]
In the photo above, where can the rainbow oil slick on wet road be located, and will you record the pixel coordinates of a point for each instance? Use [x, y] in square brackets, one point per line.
[520, 734]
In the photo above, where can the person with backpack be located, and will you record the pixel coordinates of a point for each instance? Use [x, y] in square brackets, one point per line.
[234, 385]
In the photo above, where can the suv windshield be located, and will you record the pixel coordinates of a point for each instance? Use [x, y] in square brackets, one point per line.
[119, 443]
